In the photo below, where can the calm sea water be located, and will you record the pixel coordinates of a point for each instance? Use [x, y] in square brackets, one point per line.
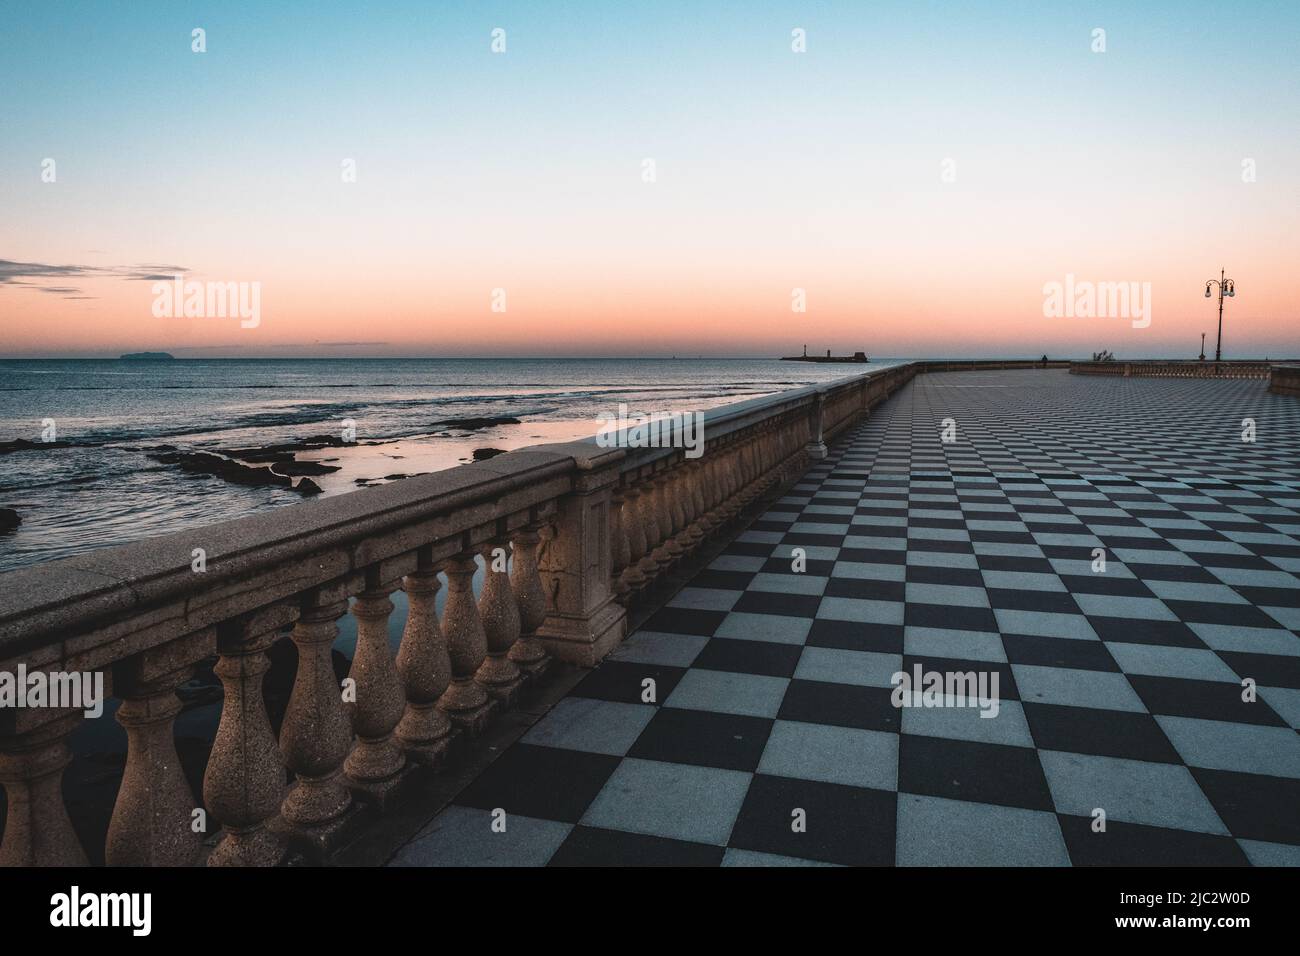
[108, 491]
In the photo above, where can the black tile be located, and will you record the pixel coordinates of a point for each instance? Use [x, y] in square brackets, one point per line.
[894, 591]
[784, 564]
[947, 547]
[1123, 630]
[685, 620]
[965, 770]
[1172, 572]
[1252, 806]
[704, 739]
[1053, 602]
[962, 577]
[1105, 733]
[1132, 844]
[873, 555]
[1105, 584]
[1058, 652]
[800, 539]
[1008, 562]
[846, 825]
[1007, 689]
[1208, 612]
[748, 549]
[1267, 670]
[749, 657]
[593, 846]
[1271, 597]
[772, 602]
[840, 705]
[545, 782]
[856, 636]
[622, 681]
[950, 616]
[1209, 700]
[722, 580]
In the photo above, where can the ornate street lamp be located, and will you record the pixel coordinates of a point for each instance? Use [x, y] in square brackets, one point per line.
[1225, 288]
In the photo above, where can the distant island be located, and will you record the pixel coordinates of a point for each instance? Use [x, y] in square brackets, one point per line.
[855, 357]
[148, 357]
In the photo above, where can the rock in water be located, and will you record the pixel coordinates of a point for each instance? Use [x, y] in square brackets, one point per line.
[9, 520]
[308, 487]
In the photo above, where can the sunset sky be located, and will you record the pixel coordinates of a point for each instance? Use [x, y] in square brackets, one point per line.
[523, 171]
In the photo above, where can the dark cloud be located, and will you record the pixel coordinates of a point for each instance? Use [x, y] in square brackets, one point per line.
[14, 273]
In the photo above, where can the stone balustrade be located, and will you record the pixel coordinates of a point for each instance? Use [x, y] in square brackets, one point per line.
[1174, 369]
[1285, 380]
[565, 537]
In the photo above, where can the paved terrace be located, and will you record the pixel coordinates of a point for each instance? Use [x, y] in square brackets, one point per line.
[1120, 690]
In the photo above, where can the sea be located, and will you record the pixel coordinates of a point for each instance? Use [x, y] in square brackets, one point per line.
[107, 487]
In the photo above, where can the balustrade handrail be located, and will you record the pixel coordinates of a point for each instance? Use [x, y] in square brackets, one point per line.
[725, 420]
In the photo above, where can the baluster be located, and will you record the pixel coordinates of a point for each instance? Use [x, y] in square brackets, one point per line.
[425, 669]
[500, 616]
[618, 546]
[678, 495]
[37, 829]
[712, 489]
[376, 759]
[634, 579]
[691, 534]
[464, 701]
[649, 511]
[317, 734]
[244, 781]
[152, 822]
[665, 553]
[529, 654]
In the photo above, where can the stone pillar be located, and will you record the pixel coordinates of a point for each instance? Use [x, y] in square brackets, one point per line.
[583, 622]
[464, 701]
[245, 780]
[422, 662]
[37, 829]
[152, 823]
[498, 674]
[816, 446]
[529, 654]
[376, 759]
[317, 734]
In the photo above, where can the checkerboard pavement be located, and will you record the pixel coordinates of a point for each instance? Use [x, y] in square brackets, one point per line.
[1120, 690]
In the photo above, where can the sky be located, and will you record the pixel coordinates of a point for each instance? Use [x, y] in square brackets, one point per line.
[921, 172]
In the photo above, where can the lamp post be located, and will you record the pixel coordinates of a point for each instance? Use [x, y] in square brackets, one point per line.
[1227, 288]
[1202, 346]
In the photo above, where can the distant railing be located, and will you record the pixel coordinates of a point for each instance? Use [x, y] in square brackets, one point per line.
[569, 535]
[1161, 368]
[975, 365]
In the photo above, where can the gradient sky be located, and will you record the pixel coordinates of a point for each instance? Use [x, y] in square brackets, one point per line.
[523, 171]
